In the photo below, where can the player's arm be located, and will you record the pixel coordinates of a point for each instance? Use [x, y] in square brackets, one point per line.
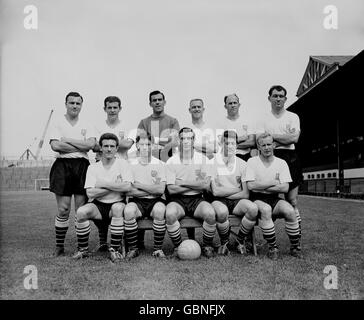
[200, 185]
[117, 186]
[177, 189]
[286, 138]
[242, 194]
[96, 193]
[125, 144]
[206, 147]
[81, 145]
[62, 147]
[155, 189]
[258, 186]
[279, 188]
[134, 192]
[248, 142]
[221, 191]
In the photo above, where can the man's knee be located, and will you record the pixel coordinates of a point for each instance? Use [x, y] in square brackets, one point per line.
[82, 214]
[209, 214]
[159, 211]
[265, 212]
[221, 215]
[130, 211]
[171, 214]
[252, 211]
[117, 210]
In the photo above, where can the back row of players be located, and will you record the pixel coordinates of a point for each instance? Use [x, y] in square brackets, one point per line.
[197, 171]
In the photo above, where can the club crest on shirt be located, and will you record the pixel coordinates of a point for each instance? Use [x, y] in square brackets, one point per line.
[289, 129]
[200, 175]
[238, 180]
[83, 133]
[119, 178]
[245, 128]
[217, 182]
[155, 178]
[277, 176]
[121, 135]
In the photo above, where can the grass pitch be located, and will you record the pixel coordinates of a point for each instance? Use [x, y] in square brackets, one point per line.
[332, 235]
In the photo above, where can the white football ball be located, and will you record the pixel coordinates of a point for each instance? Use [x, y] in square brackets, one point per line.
[189, 250]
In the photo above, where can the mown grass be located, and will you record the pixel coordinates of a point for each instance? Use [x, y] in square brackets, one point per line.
[332, 235]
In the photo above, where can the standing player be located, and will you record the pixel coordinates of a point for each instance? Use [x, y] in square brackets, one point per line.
[106, 183]
[112, 124]
[267, 176]
[188, 176]
[145, 197]
[241, 124]
[162, 127]
[164, 131]
[71, 138]
[231, 194]
[284, 126]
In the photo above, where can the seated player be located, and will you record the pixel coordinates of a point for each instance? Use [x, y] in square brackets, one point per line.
[145, 197]
[230, 194]
[267, 176]
[106, 183]
[188, 176]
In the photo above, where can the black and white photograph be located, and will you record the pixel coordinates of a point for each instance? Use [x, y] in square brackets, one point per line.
[181, 155]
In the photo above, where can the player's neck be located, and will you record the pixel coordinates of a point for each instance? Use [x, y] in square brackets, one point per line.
[198, 122]
[145, 159]
[112, 122]
[158, 115]
[233, 116]
[107, 162]
[266, 159]
[186, 155]
[278, 112]
[71, 119]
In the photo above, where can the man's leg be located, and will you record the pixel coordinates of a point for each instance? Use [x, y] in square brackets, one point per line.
[291, 197]
[62, 222]
[285, 210]
[268, 229]
[159, 228]
[222, 225]
[116, 230]
[249, 211]
[174, 212]
[83, 216]
[131, 212]
[206, 212]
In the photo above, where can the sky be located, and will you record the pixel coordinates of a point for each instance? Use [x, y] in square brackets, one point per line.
[186, 49]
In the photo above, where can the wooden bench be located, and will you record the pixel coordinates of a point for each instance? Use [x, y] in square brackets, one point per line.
[188, 222]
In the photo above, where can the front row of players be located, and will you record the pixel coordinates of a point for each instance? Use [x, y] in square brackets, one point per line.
[188, 184]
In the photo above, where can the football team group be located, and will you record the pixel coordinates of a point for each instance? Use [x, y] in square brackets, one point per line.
[239, 166]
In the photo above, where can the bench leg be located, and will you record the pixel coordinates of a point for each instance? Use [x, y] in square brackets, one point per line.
[191, 233]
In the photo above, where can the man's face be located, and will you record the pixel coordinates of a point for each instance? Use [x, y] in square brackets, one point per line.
[186, 141]
[232, 105]
[73, 106]
[229, 145]
[277, 99]
[108, 148]
[157, 103]
[196, 109]
[112, 110]
[266, 146]
[144, 146]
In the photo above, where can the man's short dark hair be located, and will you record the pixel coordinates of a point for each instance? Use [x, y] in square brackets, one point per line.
[153, 93]
[230, 134]
[278, 88]
[73, 94]
[185, 129]
[108, 136]
[111, 99]
[197, 99]
[143, 135]
[228, 95]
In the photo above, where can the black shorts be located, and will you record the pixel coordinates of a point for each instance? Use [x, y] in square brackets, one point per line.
[294, 165]
[188, 203]
[244, 157]
[270, 199]
[68, 176]
[104, 209]
[231, 204]
[146, 205]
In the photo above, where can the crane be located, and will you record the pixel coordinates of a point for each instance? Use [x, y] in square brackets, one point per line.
[40, 145]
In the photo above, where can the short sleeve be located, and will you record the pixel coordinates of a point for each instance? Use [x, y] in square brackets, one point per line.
[170, 174]
[250, 173]
[126, 171]
[284, 175]
[90, 177]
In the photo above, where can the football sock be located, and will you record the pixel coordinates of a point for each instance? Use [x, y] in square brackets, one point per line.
[103, 230]
[208, 233]
[174, 231]
[116, 232]
[131, 233]
[159, 230]
[293, 232]
[269, 233]
[61, 226]
[83, 231]
[224, 231]
[245, 227]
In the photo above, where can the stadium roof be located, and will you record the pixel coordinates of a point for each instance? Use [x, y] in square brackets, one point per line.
[318, 69]
[335, 103]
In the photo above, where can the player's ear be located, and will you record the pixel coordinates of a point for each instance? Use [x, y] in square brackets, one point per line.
[274, 144]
